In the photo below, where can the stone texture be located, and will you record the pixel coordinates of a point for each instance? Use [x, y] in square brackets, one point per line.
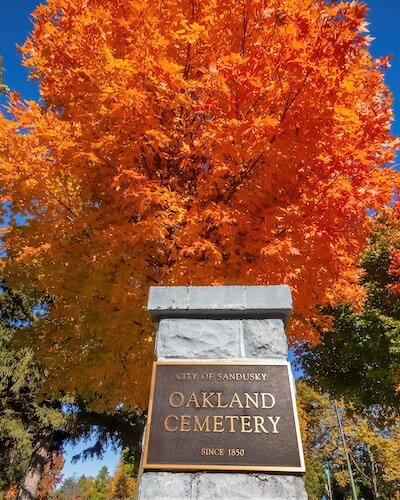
[198, 338]
[210, 485]
[240, 485]
[158, 485]
[220, 302]
[217, 298]
[269, 298]
[164, 298]
[238, 322]
[264, 338]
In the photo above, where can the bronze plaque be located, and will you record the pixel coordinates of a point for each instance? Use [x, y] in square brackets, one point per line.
[223, 416]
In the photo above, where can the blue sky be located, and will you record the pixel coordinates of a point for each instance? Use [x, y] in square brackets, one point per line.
[89, 467]
[15, 25]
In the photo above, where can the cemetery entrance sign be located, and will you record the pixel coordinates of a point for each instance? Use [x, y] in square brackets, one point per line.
[223, 416]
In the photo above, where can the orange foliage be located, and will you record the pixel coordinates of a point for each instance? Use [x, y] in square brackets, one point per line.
[11, 493]
[191, 142]
[51, 476]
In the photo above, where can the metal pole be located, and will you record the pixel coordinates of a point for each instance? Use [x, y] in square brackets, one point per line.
[353, 486]
[328, 477]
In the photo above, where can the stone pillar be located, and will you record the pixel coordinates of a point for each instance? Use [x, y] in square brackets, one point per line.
[234, 323]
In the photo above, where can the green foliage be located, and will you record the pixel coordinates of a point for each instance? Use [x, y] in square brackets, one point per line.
[24, 412]
[314, 478]
[130, 459]
[359, 357]
[73, 488]
[120, 429]
[101, 485]
[124, 481]
[121, 485]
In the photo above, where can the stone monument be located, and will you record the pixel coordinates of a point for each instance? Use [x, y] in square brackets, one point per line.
[222, 420]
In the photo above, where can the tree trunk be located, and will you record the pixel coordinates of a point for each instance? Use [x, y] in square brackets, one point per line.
[40, 457]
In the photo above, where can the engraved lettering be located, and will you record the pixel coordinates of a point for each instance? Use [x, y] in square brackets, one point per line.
[206, 399]
[185, 423]
[253, 401]
[264, 396]
[199, 404]
[219, 404]
[235, 400]
[245, 420]
[232, 418]
[218, 423]
[172, 398]
[259, 424]
[274, 422]
[192, 400]
[213, 451]
[167, 425]
[198, 427]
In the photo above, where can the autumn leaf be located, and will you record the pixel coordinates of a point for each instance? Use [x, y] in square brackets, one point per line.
[187, 143]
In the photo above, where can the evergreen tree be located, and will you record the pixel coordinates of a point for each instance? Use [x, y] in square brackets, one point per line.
[359, 357]
[28, 419]
[101, 485]
[32, 424]
[75, 489]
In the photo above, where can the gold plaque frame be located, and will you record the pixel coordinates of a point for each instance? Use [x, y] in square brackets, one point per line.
[206, 467]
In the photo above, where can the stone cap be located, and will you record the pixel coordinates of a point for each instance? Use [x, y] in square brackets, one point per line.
[220, 302]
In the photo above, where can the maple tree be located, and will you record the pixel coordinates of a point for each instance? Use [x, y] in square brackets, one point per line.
[212, 142]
